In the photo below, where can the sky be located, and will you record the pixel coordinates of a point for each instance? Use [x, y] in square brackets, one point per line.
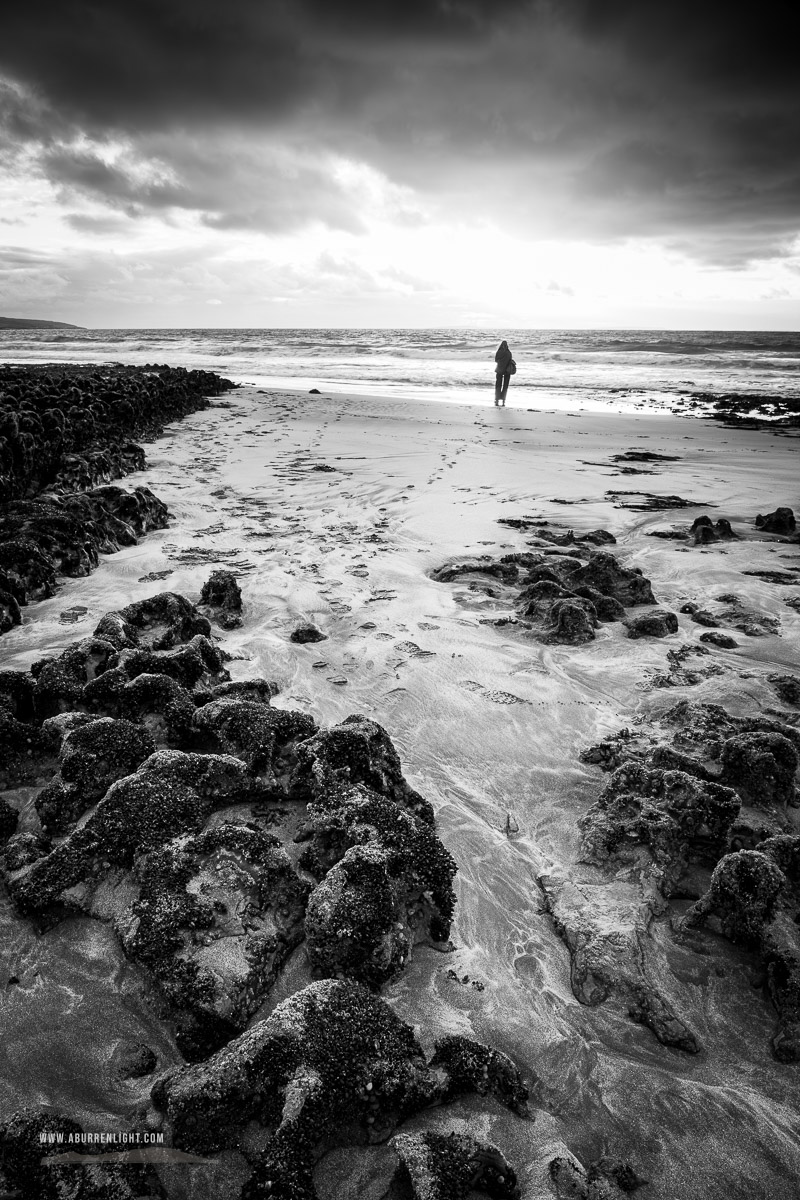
[288, 163]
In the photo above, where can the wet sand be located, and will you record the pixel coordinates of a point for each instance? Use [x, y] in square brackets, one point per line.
[334, 510]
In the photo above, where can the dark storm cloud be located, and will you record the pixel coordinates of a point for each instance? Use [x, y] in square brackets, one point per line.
[595, 118]
[135, 63]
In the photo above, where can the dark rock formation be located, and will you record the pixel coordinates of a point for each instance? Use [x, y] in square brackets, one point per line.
[563, 596]
[161, 622]
[356, 751]
[304, 634]
[333, 1064]
[221, 597]
[453, 1166]
[677, 816]
[761, 767]
[752, 899]
[64, 434]
[217, 915]
[705, 531]
[744, 890]
[780, 521]
[483, 565]
[723, 640]
[658, 623]
[91, 758]
[57, 421]
[787, 687]
[133, 1060]
[171, 793]
[386, 884]
[264, 738]
[27, 753]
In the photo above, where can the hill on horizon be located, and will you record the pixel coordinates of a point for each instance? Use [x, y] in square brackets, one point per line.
[34, 323]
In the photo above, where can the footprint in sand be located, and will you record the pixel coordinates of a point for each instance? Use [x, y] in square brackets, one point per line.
[414, 651]
[496, 697]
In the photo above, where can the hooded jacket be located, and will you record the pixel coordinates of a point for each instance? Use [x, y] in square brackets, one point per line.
[502, 358]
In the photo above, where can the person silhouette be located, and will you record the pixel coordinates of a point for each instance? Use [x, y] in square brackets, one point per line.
[504, 369]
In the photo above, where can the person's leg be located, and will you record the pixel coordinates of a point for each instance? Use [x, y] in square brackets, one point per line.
[498, 379]
[506, 382]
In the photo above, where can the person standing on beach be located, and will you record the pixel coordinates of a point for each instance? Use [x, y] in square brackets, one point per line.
[504, 369]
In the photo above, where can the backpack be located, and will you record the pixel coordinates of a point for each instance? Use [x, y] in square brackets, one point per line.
[512, 368]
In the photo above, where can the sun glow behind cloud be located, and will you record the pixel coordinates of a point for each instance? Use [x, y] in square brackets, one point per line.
[399, 263]
[507, 164]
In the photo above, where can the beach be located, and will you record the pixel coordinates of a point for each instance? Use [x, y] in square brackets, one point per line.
[339, 512]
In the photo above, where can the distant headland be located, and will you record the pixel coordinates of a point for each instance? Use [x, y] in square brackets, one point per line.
[33, 323]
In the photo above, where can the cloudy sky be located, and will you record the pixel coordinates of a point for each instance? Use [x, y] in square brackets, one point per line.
[400, 162]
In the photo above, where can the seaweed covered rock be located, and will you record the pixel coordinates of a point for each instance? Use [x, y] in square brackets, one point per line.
[703, 729]
[705, 531]
[27, 753]
[16, 695]
[27, 1172]
[217, 915]
[787, 687]
[170, 794]
[24, 848]
[387, 885]
[91, 758]
[27, 572]
[161, 705]
[66, 427]
[605, 574]
[265, 738]
[164, 621]
[753, 897]
[472, 1067]
[221, 599]
[356, 751]
[571, 622]
[60, 681]
[507, 572]
[332, 1064]
[677, 816]
[722, 640]
[302, 635]
[255, 691]
[780, 521]
[68, 430]
[436, 1166]
[659, 623]
[564, 595]
[744, 890]
[761, 767]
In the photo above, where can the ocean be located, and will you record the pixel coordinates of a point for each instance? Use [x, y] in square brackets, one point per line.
[556, 368]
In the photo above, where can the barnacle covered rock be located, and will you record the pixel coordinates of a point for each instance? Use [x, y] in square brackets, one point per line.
[92, 756]
[217, 915]
[332, 1064]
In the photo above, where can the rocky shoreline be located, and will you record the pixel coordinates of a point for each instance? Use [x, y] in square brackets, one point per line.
[283, 900]
[65, 434]
[217, 834]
